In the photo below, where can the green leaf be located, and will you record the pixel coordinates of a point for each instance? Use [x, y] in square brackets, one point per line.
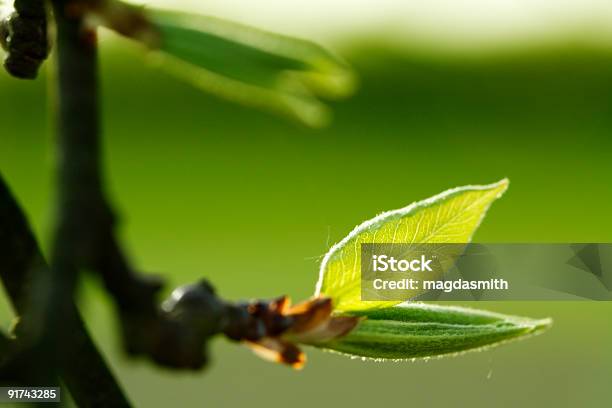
[416, 330]
[450, 217]
[252, 66]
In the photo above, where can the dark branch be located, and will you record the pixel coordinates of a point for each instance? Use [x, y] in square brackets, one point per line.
[85, 228]
[25, 276]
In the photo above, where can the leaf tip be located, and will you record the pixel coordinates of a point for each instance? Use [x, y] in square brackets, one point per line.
[538, 326]
[502, 186]
[499, 187]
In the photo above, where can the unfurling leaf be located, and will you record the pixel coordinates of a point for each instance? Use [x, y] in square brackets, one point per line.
[450, 217]
[310, 322]
[251, 66]
[415, 330]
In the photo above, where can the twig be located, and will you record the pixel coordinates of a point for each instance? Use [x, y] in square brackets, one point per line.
[84, 235]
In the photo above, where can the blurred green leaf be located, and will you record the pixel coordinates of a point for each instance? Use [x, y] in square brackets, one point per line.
[251, 66]
[416, 330]
[450, 217]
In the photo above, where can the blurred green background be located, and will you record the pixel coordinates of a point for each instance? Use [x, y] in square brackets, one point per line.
[252, 202]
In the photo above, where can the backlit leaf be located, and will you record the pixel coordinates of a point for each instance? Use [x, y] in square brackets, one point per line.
[450, 217]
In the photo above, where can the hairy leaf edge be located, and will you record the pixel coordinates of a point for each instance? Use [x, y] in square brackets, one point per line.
[534, 327]
[403, 212]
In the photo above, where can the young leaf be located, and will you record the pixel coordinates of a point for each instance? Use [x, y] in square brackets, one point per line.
[416, 330]
[450, 217]
[251, 66]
